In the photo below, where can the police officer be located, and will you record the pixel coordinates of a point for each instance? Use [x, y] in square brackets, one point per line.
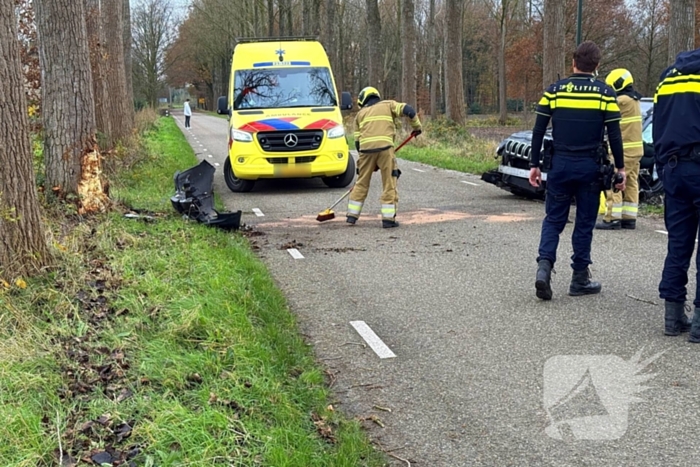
[676, 134]
[622, 212]
[581, 108]
[374, 140]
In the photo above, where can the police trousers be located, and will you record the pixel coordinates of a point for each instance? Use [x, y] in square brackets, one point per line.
[568, 179]
[681, 210]
[388, 168]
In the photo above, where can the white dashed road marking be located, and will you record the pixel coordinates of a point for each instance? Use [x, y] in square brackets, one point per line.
[662, 232]
[295, 253]
[373, 340]
[211, 156]
[216, 164]
[470, 183]
[419, 170]
[258, 212]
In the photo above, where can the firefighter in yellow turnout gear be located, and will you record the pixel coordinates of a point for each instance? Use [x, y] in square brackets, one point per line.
[374, 140]
[622, 207]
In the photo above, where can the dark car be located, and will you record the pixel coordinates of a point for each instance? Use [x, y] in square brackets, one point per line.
[513, 172]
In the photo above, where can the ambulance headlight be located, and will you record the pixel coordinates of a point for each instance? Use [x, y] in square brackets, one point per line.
[336, 132]
[238, 135]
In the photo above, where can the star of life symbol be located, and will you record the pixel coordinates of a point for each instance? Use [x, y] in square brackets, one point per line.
[588, 397]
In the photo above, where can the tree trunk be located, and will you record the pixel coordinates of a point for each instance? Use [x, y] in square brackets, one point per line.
[118, 108]
[408, 82]
[282, 7]
[70, 150]
[433, 59]
[270, 17]
[454, 92]
[96, 44]
[306, 17]
[374, 23]
[330, 28]
[23, 248]
[128, 66]
[502, 94]
[554, 55]
[681, 28]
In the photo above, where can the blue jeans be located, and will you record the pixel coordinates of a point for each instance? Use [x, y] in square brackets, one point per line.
[681, 208]
[571, 178]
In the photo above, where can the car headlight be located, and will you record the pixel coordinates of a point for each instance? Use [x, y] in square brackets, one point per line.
[336, 132]
[238, 135]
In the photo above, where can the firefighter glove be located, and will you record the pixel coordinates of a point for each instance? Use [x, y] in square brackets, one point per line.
[417, 132]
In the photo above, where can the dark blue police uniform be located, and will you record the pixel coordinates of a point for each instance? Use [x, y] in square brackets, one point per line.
[580, 108]
[676, 134]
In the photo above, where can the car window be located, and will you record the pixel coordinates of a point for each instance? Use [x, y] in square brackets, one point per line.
[646, 134]
[283, 88]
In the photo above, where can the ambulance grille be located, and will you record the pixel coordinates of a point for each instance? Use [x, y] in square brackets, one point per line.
[290, 141]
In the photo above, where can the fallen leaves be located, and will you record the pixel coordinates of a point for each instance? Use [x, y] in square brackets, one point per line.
[323, 428]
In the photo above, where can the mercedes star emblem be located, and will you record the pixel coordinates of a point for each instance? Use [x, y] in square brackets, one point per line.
[291, 140]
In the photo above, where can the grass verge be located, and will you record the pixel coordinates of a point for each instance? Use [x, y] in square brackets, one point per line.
[161, 342]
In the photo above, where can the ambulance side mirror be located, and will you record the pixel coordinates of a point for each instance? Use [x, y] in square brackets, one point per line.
[345, 101]
[222, 105]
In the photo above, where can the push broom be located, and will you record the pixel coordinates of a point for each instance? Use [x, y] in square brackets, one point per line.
[328, 214]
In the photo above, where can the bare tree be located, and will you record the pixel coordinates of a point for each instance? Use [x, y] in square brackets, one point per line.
[151, 23]
[503, 10]
[434, 63]
[98, 56]
[71, 154]
[454, 84]
[120, 108]
[375, 56]
[681, 29]
[554, 53]
[23, 248]
[408, 36]
[128, 65]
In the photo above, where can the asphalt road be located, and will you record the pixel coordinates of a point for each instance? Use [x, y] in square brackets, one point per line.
[481, 366]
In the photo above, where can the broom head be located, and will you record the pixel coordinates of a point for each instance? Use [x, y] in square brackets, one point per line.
[325, 215]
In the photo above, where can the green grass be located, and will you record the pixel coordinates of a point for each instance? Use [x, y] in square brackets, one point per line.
[171, 326]
[476, 156]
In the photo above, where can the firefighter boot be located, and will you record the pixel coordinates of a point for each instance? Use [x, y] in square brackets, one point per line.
[675, 319]
[387, 224]
[629, 224]
[543, 280]
[581, 284]
[694, 336]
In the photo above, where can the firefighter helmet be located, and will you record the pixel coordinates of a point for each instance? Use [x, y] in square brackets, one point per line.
[619, 79]
[365, 94]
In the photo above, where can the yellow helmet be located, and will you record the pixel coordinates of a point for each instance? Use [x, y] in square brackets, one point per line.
[365, 94]
[619, 79]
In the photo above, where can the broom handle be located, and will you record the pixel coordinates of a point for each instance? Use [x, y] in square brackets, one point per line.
[402, 144]
[341, 198]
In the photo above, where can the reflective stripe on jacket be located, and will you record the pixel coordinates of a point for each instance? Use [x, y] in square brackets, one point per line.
[374, 125]
[631, 126]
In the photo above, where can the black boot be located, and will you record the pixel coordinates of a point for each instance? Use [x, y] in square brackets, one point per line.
[629, 224]
[581, 284]
[694, 336]
[350, 219]
[543, 281]
[608, 225]
[675, 319]
[388, 224]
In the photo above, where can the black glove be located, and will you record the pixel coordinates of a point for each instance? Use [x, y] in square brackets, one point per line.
[357, 146]
[417, 132]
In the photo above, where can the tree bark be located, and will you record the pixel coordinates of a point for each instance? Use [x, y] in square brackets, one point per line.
[374, 23]
[23, 247]
[554, 55]
[270, 17]
[433, 59]
[502, 83]
[408, 81]
[119, 109]
[330, 28]
[454, 89]
[681, 28]
[71, 154]
[96, 44]
[128, 61]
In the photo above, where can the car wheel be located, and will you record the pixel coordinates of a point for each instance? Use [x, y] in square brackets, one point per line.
[344, 179]
[235, 184]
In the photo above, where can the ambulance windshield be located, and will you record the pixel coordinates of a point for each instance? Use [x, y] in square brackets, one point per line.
[274, 88]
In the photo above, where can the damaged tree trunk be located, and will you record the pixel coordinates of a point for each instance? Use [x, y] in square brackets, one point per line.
[71, 153]
[23, 248]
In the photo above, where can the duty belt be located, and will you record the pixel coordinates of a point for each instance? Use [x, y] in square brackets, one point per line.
[690, 154]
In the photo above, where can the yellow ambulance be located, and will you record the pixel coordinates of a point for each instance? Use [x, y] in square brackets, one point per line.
[284, 115]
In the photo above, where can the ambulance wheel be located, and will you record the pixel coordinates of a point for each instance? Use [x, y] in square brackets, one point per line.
[236, 184]
[344, 179]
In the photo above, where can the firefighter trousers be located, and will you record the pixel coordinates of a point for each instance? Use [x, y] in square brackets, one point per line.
[681, 207]
[388, 168]
[625, 204]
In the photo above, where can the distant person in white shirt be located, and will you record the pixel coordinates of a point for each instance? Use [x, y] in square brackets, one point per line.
[188, 113]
